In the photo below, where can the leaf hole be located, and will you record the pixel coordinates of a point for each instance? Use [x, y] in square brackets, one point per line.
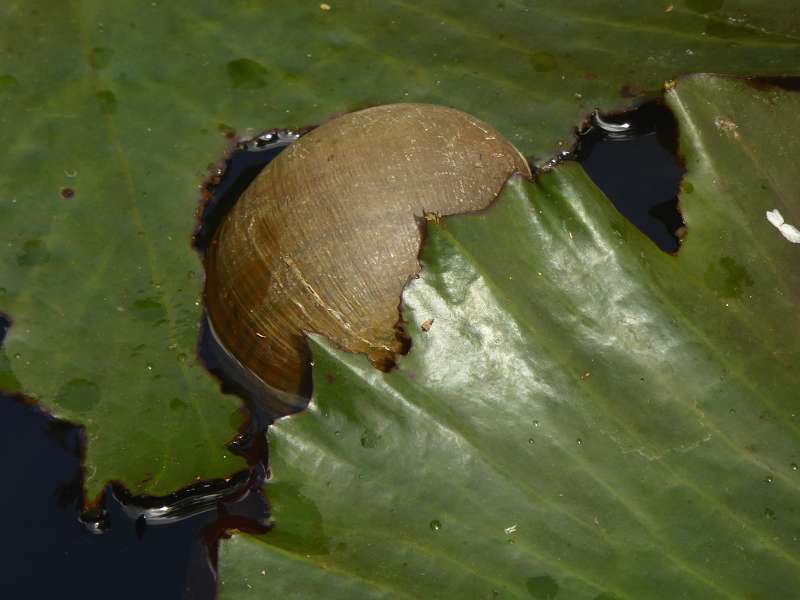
[633, 158]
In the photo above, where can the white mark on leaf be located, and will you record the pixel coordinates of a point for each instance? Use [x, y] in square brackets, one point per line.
[790, 232]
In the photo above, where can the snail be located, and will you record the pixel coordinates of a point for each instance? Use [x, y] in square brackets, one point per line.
[327, 236]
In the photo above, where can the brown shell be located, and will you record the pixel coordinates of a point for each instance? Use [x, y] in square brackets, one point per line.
[326, 237]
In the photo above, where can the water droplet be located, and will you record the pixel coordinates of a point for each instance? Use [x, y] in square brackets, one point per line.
[436, 525]
[337, 432]
[149, 366]
[579, 441]
[536, 423]
[768, 479]
[770, 514]
[531, 441]
[18, 355]
[795, 467]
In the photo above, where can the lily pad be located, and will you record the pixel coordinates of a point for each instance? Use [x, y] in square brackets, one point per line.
[111, 113]
[586, 416]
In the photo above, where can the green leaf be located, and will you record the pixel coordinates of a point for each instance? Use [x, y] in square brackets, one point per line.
[111, 112]
[588, 417]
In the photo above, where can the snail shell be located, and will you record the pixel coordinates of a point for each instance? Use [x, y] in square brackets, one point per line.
[327, 235]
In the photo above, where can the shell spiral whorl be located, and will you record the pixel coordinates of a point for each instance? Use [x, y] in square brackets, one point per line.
[326, 237]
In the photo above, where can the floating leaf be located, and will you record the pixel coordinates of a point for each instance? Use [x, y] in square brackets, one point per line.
[111, 113]
[660, 393]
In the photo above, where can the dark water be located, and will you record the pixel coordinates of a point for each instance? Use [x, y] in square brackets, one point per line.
[49, 552]
[127, 548]
[632, 158]
[227, 184]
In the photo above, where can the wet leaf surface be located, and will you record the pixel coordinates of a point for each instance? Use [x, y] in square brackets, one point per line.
[589, 417]
[111, 113]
